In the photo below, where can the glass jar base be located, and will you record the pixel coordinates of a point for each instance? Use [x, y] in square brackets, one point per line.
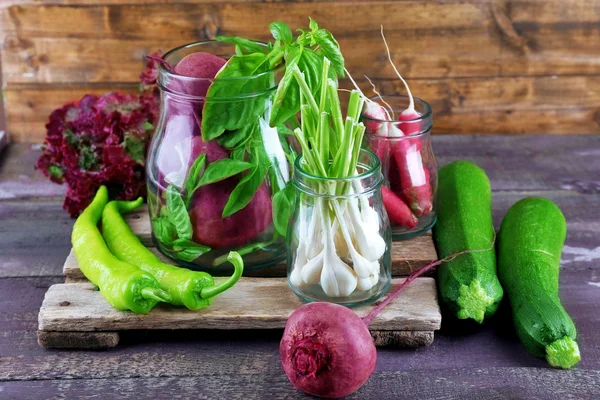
[314, 293]
[256, 260]
[425, 224]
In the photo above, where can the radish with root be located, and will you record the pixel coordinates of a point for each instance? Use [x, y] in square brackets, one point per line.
[416, 188]
[327, 350]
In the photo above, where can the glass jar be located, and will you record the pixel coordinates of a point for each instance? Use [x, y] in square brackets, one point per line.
[407, 161]
[339, 240]
[209, 196]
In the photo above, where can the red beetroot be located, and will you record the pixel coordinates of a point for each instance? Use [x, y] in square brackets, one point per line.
[180, 147]
[398, 211]
[327, 350]
[197, 65]
[211, 229]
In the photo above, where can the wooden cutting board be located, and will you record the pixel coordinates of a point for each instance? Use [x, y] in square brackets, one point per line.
[75, 315]
[407, 255]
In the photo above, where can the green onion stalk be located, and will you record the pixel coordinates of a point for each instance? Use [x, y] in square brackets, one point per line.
[343, 225]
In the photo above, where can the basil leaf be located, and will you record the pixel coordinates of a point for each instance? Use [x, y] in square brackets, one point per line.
[312, 24]
[193, 176]
[238, 154]
[283, 204]
[187, 250]
[229, 105]
[222, 169]
[244, 45]
[163, 230]
[281, 31]
[245, 190]
[178, 214]
[232, 139]
[330, 48]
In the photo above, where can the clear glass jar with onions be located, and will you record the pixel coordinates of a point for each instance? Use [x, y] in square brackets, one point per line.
[409, 168]
[209, 193]
[339, 241]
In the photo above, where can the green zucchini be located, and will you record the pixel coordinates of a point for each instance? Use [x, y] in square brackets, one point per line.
[468, 285]
[530, 243]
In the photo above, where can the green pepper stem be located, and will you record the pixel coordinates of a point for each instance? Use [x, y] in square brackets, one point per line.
[127, 206]
[155, 294]
[238, 268]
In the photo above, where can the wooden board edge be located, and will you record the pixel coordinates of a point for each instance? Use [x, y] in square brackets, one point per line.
[108, 340]
[78, 340]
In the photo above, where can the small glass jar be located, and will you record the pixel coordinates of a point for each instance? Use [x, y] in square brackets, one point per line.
[191, 221]
[339, 240]
[408, 163]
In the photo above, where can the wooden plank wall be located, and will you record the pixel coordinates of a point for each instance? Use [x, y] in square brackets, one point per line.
[486, 66]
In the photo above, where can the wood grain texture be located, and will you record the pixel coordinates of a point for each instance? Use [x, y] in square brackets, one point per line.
[154, 354]
[489, 66]
[447, 383]
[486, 362]
[467, 39]
[254, 303]
[558, 105]
[31, 52]
[78, 340]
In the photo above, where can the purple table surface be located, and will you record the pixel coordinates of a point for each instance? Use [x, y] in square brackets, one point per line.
[478, 363]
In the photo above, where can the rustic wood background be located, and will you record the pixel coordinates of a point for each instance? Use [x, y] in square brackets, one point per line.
[486, 66]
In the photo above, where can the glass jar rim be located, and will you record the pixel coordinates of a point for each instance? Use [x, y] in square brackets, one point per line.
[372, 169]
[162, 70]
[424, 116]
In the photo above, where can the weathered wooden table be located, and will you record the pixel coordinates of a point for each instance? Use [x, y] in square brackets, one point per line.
[484, 363]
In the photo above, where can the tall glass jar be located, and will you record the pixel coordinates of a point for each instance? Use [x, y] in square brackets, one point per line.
[403, 144]
[339, 239]
[209, 196]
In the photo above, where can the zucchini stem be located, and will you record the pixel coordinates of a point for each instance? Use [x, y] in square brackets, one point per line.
[563, 353]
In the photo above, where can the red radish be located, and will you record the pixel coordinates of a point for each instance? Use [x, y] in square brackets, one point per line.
[375, 111]
[327, 350]
[414, 183]
[397, 209]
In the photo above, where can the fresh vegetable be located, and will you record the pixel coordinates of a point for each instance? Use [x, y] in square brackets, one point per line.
[123, 285]
[200, 65]
[530, 243]
[331, 149]
[412, 181]
[397, 210]
[327, 350]
[192, 289]
[233, 192]
[468, 286]
[98, 141]
[181, 145]
[211, 229]
[416, 189]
